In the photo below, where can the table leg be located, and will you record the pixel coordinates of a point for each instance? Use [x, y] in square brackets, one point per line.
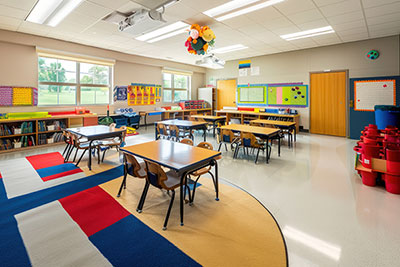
[214, 125]
[90, 155]
[183, 177]
[216, 181]
[294, 131]
[145, 120]
[155, 131]
[267, 155]
[279, 146]
[205, 133]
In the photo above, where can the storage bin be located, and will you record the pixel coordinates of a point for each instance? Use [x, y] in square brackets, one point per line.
[387, 115]
[17, 144]
[392, 183]
[50, 127]
[50, 140]
[121, 122]
[369, 178]
[17, 131]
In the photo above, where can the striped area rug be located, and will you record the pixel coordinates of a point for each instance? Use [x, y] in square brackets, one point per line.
[56, 214]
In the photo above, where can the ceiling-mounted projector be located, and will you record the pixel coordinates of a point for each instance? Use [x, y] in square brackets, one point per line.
[141, 21]
[211, 61]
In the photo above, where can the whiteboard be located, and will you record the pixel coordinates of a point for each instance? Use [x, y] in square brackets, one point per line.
[252, 94]
[367, 94]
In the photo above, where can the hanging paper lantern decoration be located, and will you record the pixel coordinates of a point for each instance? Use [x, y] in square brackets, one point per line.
[200, 39]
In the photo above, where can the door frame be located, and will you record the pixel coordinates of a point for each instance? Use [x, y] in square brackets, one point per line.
[346, 71]
[223, 79]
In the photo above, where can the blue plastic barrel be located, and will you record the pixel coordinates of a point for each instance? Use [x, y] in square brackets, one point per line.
[387, 115]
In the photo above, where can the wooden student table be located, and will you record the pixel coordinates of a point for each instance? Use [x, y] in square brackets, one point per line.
[291, 126]
[213, 119]
[97, 132]
[179, 157]
[170, 114]
[262, 132]
[184, 124]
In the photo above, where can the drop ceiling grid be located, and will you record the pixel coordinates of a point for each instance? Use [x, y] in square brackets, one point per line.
[260, 30]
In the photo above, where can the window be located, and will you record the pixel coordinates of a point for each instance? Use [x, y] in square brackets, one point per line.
[176, 87]
[67, 82]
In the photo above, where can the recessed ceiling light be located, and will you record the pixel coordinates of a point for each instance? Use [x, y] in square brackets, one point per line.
[308, 33]
[161, 31]
[64, 11]
[228, 7]
[51, 12]
[168, 35]
[228, 49]
[42, 10]
[249, 9]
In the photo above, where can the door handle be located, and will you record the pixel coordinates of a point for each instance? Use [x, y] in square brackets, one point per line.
[351, 103]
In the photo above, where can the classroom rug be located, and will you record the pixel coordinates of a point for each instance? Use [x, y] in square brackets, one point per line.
[81, 222]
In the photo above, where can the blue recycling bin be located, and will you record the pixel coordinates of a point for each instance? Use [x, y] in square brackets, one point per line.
[387, 115]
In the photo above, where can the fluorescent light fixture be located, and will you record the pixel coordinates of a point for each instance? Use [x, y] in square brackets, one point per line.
[235, 4]
[227, 49]
[308, 33]
[64, 11]
[167, 29]
[249, 9]
[51, 12]
[42, 10]
[168, 35]
[321, 246]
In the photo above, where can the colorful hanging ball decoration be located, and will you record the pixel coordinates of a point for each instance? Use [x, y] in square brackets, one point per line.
[373, 54]
[200, 39]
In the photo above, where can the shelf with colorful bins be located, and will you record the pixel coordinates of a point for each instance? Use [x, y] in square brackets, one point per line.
[17, 134]
[50, 130]
[378, 157]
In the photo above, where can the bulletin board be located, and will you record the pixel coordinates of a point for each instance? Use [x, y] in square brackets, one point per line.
[143, 94]
[369, 93]
[253, 94]
[288, 95]
[18, 96]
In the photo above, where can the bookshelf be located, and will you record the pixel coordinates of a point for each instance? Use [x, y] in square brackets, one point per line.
[24, 134]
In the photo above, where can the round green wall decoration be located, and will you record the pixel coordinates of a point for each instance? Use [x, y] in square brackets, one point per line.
[373, 54]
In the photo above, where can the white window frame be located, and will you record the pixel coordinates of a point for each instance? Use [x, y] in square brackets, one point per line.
[173, 89]
[78, 84]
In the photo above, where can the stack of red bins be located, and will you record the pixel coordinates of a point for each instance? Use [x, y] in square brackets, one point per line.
[384, 145]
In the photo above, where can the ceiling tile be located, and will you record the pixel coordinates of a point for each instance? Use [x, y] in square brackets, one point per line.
[313, 24]
[383, 19]
[114, 4]
[348, 17]
[278, 24]
[382, 10]
[349, 25]
[13, 12]
[92, 10]
[293, 7]
[374, 3]
[11, 24]
[305, 16]
[341, 8]
[326, 2]
[26, 5]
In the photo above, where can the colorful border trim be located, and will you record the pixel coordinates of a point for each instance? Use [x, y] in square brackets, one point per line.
[370, 81]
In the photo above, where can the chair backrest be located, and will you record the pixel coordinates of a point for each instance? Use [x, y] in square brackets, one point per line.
[67, 137]
[187, 141]
[112, 125]
[75, 140]
[174, 130]
[135, 164]
[123, 134]
[205, 145]
[162, 130]
[155, 174]
[248, 139]
[227, 136]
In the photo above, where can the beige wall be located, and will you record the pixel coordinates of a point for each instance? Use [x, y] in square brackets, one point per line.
[19, 67]
[295, 66]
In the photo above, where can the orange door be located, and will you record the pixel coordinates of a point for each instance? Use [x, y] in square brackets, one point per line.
[226, 93]
[328, 103]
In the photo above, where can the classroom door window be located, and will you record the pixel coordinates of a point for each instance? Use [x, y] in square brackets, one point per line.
[62, 81]
[176, 87]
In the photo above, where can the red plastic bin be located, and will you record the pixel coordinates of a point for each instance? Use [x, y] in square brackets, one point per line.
[392, 183]
[369, 178]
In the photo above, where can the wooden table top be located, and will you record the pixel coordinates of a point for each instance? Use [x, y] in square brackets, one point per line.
[251, 129]
[96, 130]
[173, 155]
[273, 122]
[208, 117]
[182, 123]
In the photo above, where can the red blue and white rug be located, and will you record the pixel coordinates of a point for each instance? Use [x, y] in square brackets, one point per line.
[53, 214]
